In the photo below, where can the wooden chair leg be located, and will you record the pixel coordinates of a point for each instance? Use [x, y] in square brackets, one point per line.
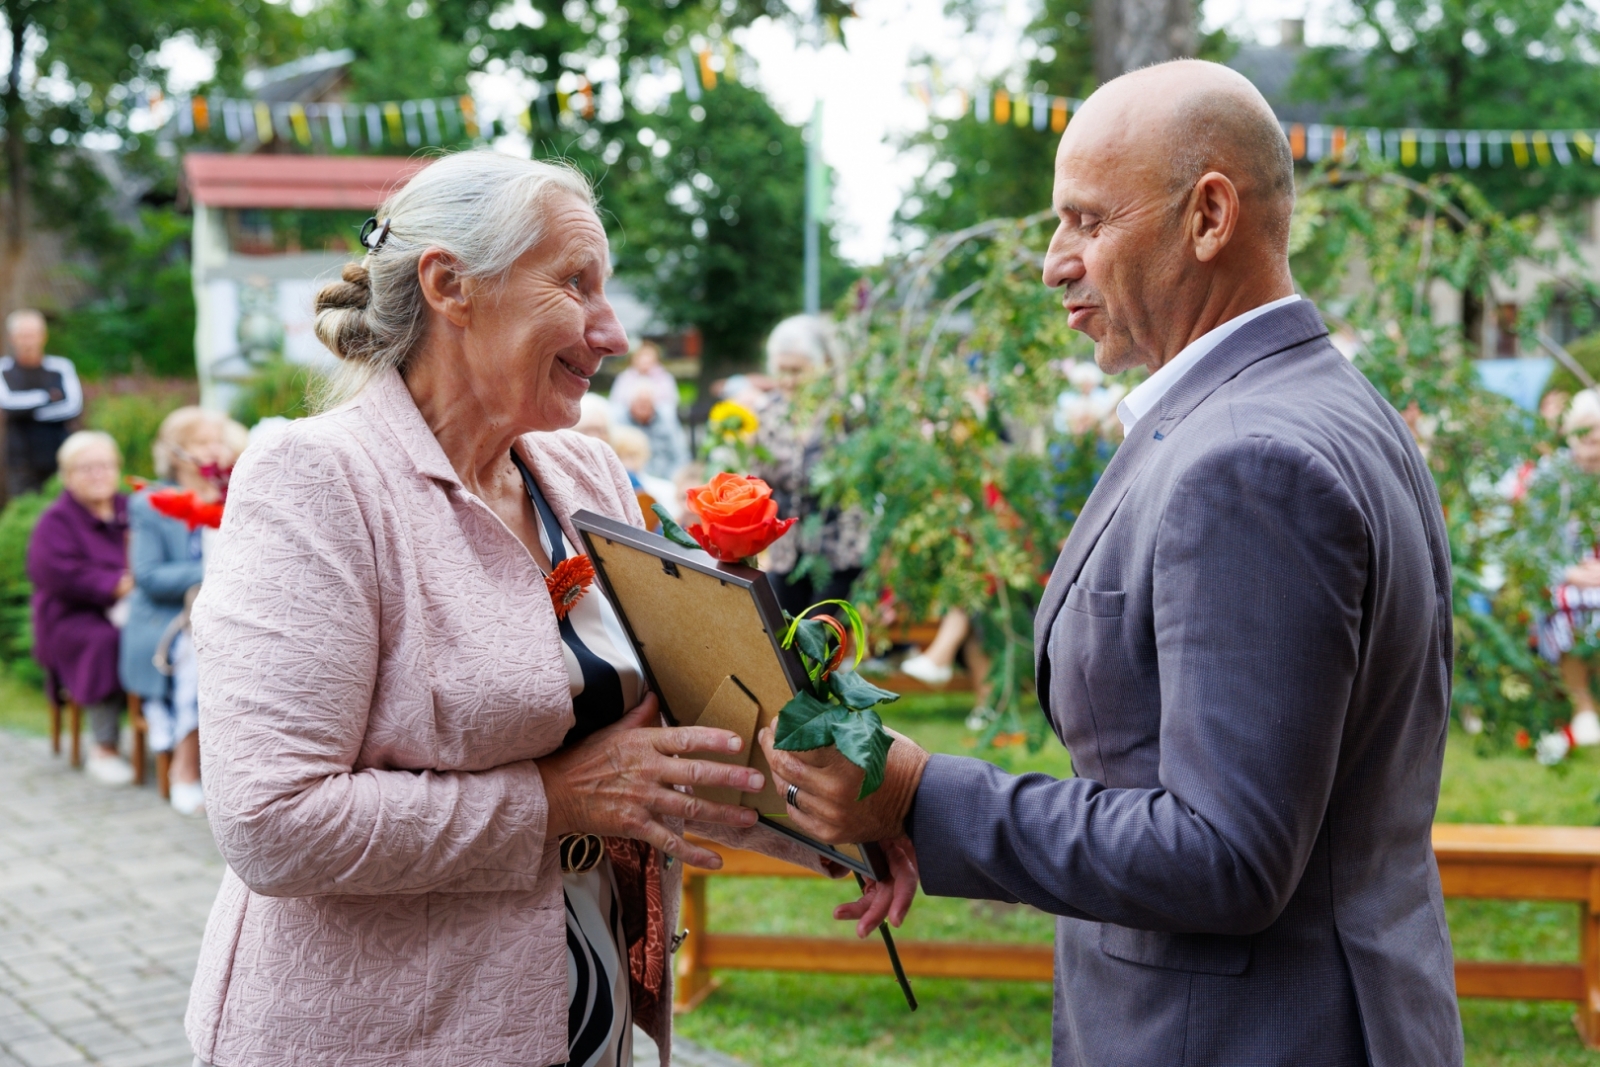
[1587, 1018]
[75, 724]
[164, 774]
[137, 726]
[55, 726]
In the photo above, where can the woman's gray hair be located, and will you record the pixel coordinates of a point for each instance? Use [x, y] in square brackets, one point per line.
[810, 336]
[74, 445]
[482, 208]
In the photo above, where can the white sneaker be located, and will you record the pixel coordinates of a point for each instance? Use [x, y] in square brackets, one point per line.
[925, 670]
[1586, 728]
[188, 798]
[109, 770]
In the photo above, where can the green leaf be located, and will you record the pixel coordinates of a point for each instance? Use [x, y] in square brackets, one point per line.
[861, 739]
[806, 723]
[671, 530]
[857, 693]
[814, 638]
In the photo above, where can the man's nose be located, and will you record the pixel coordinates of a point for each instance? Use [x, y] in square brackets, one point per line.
[1063, 261]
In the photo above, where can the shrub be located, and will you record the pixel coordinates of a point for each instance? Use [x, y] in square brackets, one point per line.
[280, 388]
[16, 628]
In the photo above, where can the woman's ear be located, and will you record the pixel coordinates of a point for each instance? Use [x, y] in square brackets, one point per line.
[443, 286]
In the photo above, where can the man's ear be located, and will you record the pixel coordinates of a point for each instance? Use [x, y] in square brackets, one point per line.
[443, 287]
[1213, 215]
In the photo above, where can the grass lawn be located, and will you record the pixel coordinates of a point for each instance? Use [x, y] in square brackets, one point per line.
[796, 1020]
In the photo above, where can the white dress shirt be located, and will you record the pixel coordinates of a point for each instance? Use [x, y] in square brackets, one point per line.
[1150, 391]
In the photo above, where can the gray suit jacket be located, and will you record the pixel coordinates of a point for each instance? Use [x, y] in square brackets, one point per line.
[1246, 646]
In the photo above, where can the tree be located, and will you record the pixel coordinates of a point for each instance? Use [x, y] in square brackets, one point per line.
[981, 171]
[707, 200]
[1469, 64]
[1130, 34]
[103, 54]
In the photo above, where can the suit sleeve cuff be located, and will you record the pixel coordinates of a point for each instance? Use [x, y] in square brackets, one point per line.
[940, 826]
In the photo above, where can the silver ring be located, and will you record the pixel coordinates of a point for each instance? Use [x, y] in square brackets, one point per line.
[793, 796]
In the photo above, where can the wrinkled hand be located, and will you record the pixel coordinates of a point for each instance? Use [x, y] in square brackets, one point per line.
[829, 784]
[618, 782]
[1585, 575]
[889, 899]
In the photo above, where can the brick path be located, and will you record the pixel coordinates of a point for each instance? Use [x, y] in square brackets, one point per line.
[104, 895]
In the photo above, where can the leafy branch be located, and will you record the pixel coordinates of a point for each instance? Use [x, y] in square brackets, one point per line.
[841, 711]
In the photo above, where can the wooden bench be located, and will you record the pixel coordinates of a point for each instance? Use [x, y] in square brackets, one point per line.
[1558, 863]
[1530, 863]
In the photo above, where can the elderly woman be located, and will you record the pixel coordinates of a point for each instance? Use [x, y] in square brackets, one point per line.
[193, 451]
[78, 563]
[799, 349]
[452, 820]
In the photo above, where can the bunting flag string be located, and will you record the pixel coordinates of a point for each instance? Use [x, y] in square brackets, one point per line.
[408, 123]
[1308, 141]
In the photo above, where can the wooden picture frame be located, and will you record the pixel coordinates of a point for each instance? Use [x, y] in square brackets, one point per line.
[709, 637]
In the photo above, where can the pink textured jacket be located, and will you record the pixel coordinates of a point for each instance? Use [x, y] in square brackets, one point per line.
[379, 666]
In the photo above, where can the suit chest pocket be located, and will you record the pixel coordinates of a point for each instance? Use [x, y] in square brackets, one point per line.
[1101, 605]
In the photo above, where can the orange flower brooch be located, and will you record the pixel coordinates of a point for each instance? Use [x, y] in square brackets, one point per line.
[568, 583]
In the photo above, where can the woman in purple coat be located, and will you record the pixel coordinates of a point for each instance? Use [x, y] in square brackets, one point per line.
[78, 563]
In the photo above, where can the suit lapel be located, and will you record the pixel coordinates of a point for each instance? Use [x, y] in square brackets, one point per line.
[1274, 332]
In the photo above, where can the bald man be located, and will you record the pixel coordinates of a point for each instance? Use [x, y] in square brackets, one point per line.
[1245, 645]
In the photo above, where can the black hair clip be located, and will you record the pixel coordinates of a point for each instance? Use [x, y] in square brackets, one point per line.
[378, 231]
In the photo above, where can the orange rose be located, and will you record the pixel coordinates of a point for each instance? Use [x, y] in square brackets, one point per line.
[738, 517]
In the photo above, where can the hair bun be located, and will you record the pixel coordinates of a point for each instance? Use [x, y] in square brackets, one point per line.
[341, 314]
[355, 291]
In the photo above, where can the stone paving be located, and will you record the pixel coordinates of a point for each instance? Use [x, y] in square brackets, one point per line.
[104, 895]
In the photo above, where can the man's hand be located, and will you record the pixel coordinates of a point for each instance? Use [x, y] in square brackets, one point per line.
[889, 899]
[826, 807]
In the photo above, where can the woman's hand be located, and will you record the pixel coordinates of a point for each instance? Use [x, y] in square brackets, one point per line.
[889, 899]
[124, 586]
[618, 783]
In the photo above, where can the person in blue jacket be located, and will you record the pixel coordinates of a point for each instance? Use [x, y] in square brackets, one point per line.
[194, 450]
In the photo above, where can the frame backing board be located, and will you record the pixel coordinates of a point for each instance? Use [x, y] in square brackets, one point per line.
[695, 623]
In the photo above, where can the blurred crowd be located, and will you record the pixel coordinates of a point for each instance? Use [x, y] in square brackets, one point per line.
[113, 577]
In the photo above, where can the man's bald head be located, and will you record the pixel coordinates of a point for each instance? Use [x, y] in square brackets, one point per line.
[1174, 188]
[1191, 117]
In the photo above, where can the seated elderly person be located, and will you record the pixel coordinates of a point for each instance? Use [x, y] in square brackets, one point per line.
[451, 815]
[193, 452]
[78, 564]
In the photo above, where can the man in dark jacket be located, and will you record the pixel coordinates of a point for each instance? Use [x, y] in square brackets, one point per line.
[1245, 645]
[40, 396]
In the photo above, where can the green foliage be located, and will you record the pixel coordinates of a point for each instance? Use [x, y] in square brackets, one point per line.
[1586, 350]
[708, 201]
[1409, 237]
[841, 710]
[279, 389]
[141, 319]
[16, 627]
[1469, 64]
[133, 418]
[946, 438]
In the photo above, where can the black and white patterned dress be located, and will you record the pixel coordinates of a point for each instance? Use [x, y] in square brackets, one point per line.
[606, 682]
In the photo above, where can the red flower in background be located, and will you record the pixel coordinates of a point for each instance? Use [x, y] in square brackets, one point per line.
[188, 508]
[738, 517]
